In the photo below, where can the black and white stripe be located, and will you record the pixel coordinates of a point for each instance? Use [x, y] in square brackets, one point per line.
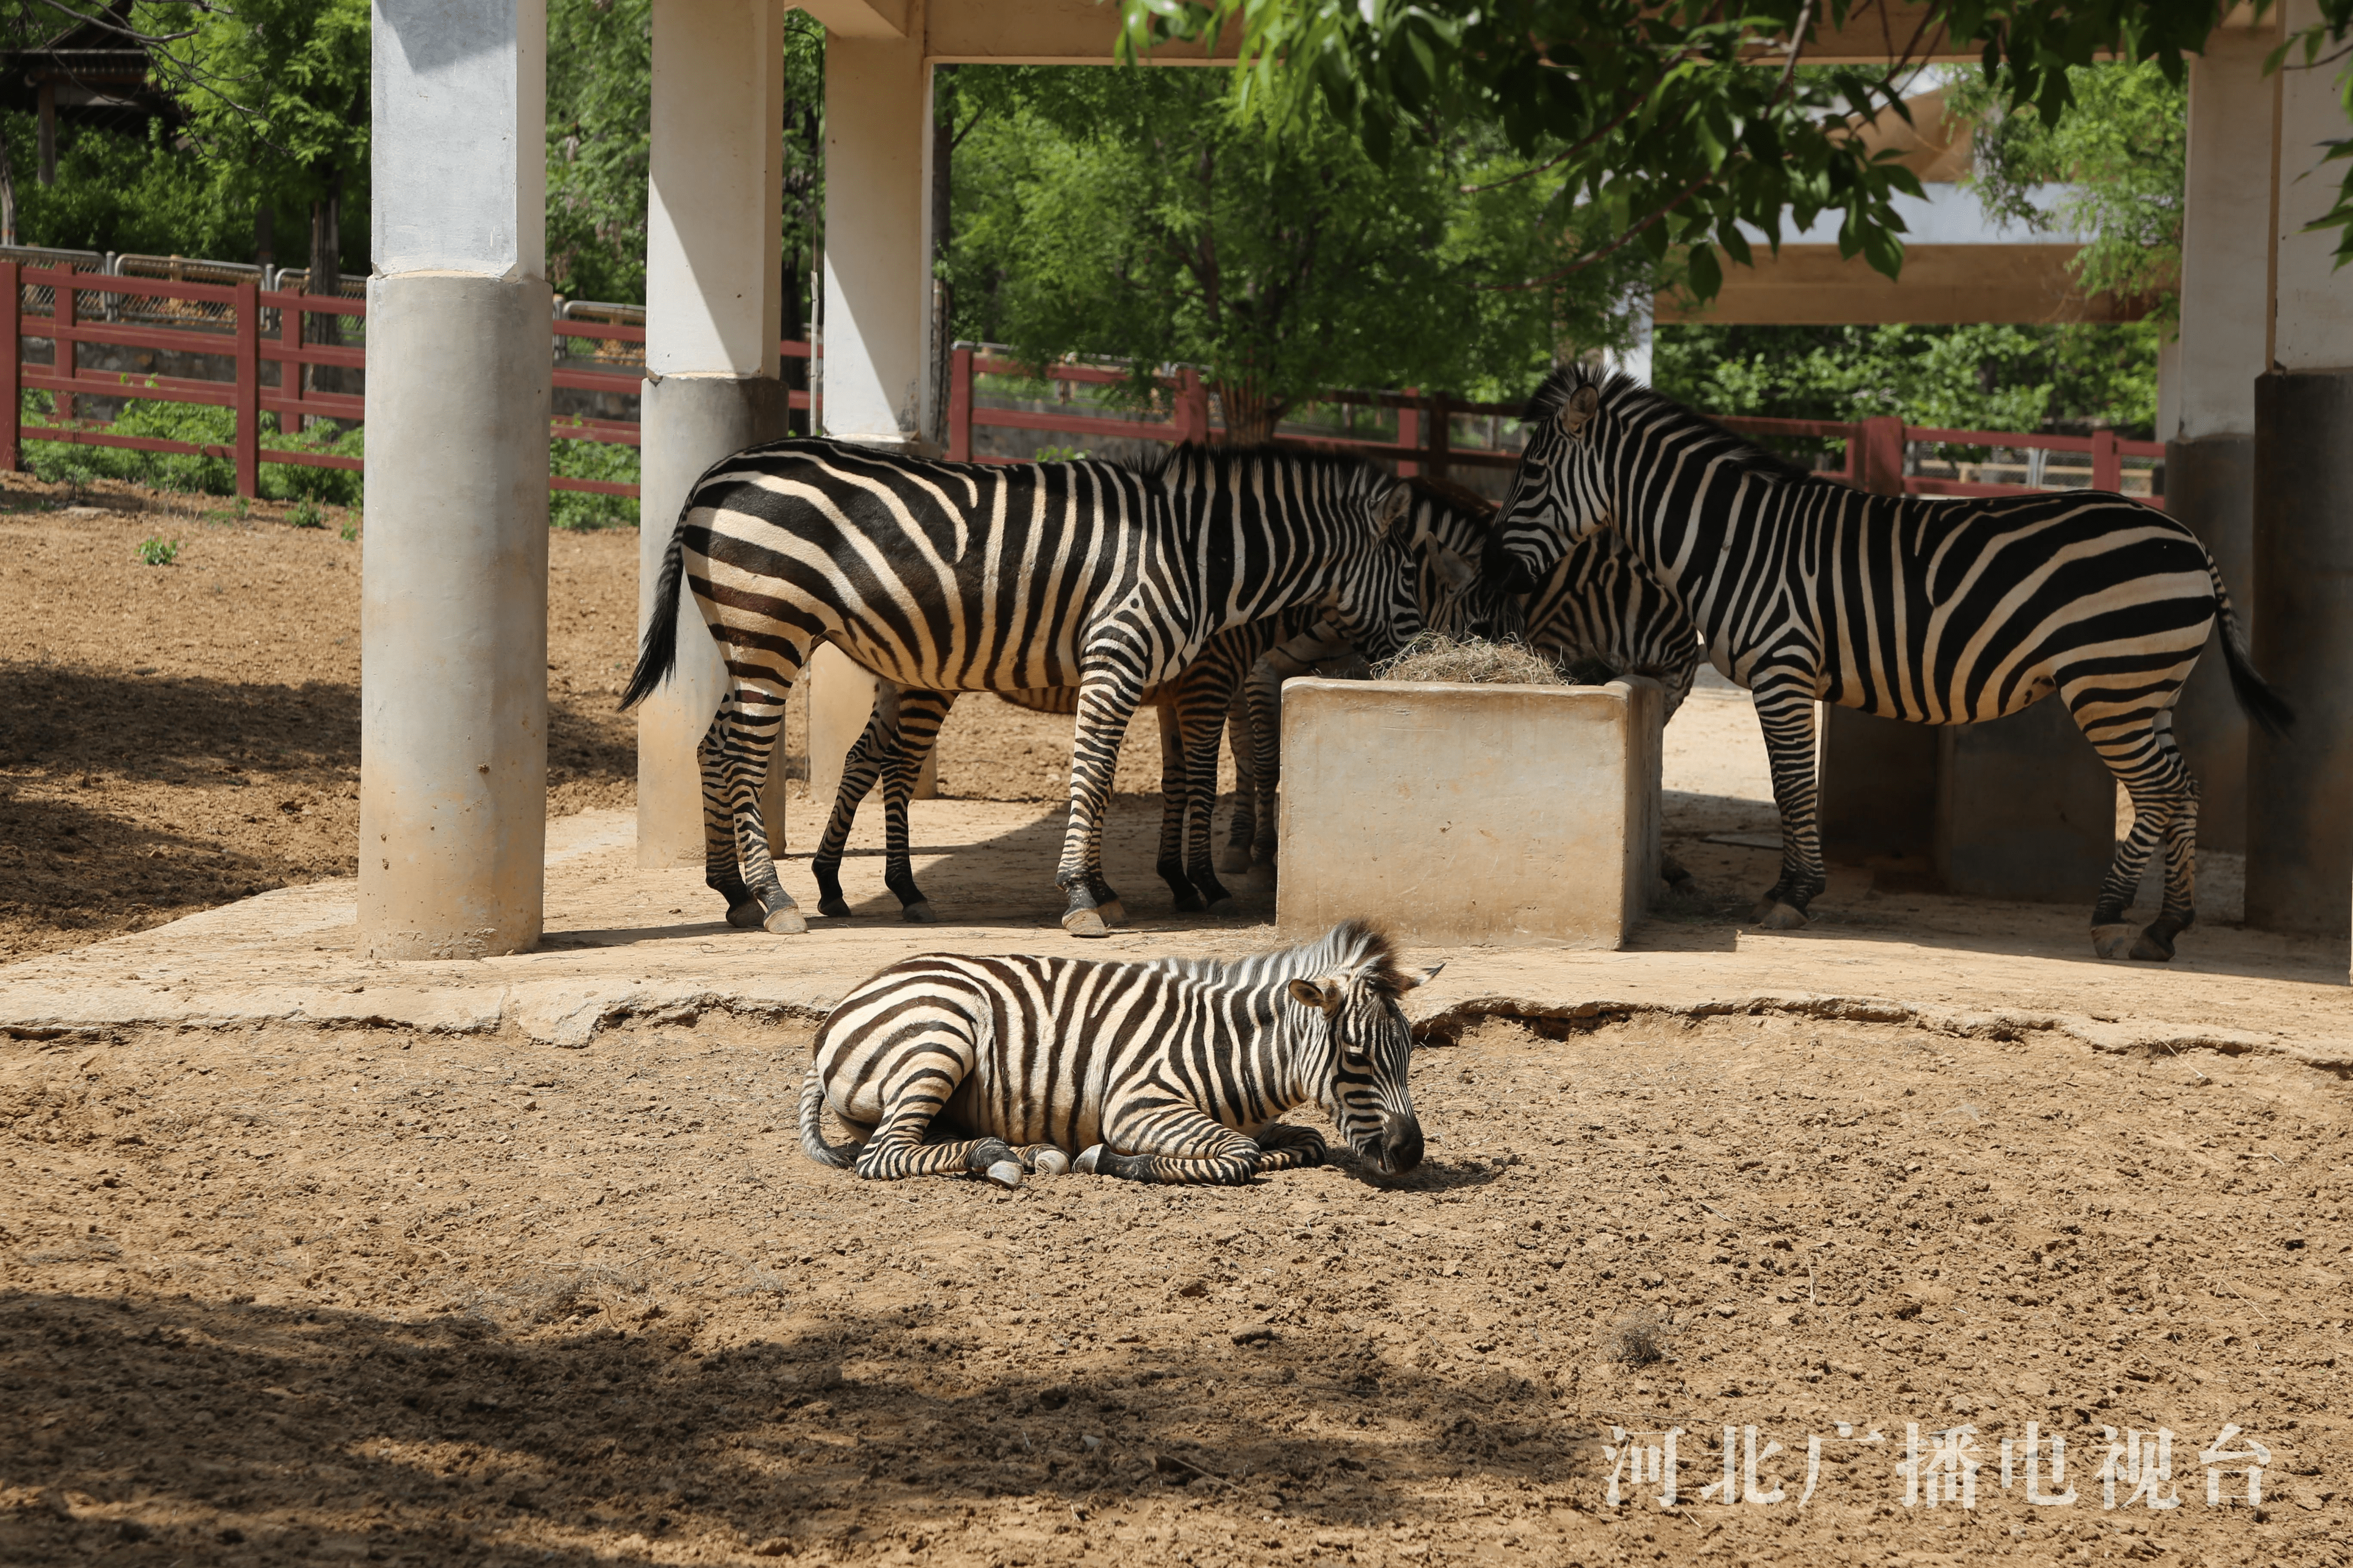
[967, 576]
[1932, 611]
[1175, 1071]
[1421, 578]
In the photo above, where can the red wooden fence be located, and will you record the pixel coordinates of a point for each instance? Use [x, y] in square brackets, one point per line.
[1424, 442]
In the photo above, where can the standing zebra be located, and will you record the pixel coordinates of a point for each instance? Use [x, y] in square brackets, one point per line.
[1432, 584]
[1171, 1071]
[965, 576]
[1933, 611]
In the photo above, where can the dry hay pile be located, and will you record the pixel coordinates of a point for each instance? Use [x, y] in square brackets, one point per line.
[1472, 661]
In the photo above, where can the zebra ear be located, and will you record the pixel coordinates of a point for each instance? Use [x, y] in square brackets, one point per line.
[1322, 997]
[1452, 570]
[1416, 978]
[1578, 411]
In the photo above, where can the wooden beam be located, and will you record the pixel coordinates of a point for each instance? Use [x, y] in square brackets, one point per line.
[1809, 285]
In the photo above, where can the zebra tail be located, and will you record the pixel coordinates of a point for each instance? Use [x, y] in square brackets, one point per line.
[840, 1156]
[2257, 698]
[659, 655]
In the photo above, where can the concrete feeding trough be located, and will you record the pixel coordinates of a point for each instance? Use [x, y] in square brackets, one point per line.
[1455, 812]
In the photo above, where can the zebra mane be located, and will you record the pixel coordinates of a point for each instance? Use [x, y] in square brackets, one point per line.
[1355, 948]
[1624, 394]
[1194, 463]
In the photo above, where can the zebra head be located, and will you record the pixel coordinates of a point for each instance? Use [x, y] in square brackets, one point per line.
[1356, 1044]
[1421, 577]
[1560, 493]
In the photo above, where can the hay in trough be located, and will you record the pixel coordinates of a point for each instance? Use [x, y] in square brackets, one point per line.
[1472, 661]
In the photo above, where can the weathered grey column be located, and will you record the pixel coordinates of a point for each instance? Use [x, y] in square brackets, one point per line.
[453, 619]
[2210, 447]
[2299, 832]
[714, 307]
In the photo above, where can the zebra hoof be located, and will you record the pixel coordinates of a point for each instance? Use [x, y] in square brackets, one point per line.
[1088, 1160]
[834, 909]
[920, 913]
[1779, 916]
[1113, 913]
[2152, 949]
[785, 922]
[1233, 860]
[747, 915]
[2113, 942]
[1086, 922]
[1006, 1173]
[1223, 907]
[1051, 1163]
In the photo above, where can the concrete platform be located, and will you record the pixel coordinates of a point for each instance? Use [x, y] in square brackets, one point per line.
[626, 943]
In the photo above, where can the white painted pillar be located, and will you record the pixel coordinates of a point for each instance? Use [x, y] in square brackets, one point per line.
[2299, 836]
[453, 619]
[878, 281]
[2207, 404]
[714, 309]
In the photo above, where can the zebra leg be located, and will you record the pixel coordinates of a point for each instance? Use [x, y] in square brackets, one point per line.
[1173, 804]
[720, 871]
[1108, 693]
[1202, 698]
[1288, 1148]
[2139, 750]
[925, 1072]
[919, 715]
[1235, 857]
[1262, 695]
[1784, 708]
[859, 770]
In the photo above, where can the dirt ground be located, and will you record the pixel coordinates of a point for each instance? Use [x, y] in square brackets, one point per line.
[290, 1295]
[176, 737]
[297, 1297]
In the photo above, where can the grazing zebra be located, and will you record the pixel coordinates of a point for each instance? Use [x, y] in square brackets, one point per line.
[1933, 611]
[1598, 612]
[1172, 1071]
[1429, 585]
[967, 576]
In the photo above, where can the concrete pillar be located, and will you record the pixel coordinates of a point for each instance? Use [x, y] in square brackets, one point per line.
[453, 617]
[2208, 410]
[2299, 835]
[877, 277]
[2025, 809]
[714, 310]
[840, 701]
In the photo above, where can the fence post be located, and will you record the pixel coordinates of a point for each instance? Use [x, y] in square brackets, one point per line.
[1192, 406]
[960, 405]
[61, 313]
[289, 370]
[12, 402]
[248, 390]
[1409, 432]
[1441, 434]
[2107, 463]
[1881, 471]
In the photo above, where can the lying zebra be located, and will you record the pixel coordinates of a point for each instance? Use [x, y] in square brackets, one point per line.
[1173, 1071]
[1421, 577]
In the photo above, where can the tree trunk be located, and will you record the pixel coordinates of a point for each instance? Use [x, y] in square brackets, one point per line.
[7, 196]
[327, 278]
[265, 235]
[1251, 415]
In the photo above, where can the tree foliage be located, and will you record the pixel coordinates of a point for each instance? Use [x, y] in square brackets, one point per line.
[1682, 121]
[2121, 148]
[1155, 216]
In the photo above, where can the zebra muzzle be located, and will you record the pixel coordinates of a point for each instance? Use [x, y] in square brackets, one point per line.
[1400, 1144]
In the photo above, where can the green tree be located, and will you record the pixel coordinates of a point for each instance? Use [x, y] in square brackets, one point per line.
[277, 96]
[1682, 121]
[1154, 216]
[2121, 148]
[1969, 377]
[122, 190]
